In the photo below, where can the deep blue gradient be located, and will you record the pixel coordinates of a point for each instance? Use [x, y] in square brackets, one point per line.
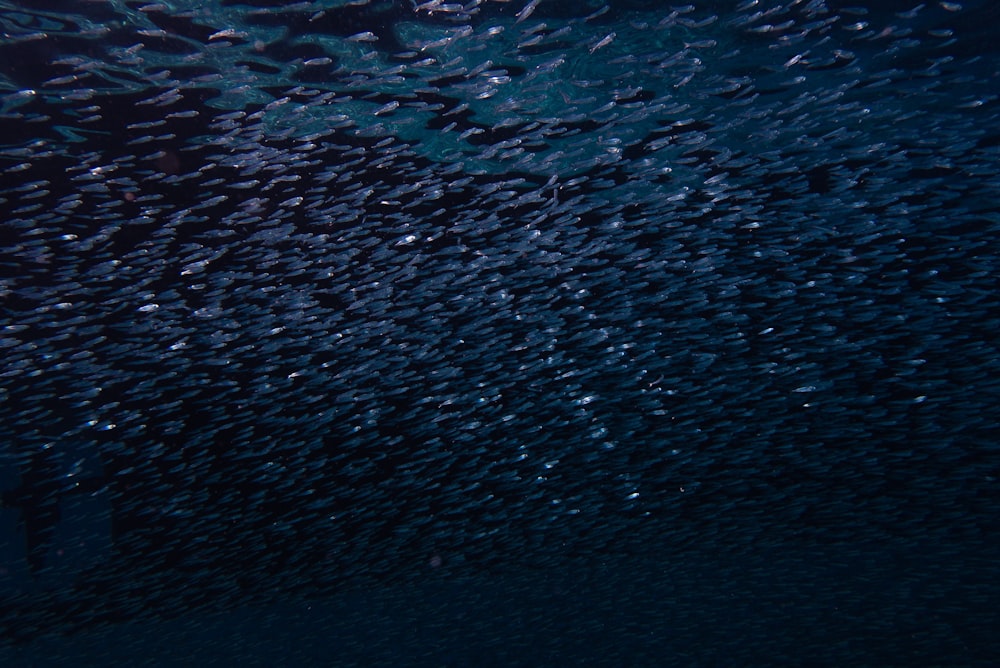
[499, 333]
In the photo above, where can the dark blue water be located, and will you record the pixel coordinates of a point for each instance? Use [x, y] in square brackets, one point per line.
[499, 333]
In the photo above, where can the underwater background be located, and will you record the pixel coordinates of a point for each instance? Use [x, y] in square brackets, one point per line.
[499, 333]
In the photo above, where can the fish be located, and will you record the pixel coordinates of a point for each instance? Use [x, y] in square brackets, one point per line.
[677, 322]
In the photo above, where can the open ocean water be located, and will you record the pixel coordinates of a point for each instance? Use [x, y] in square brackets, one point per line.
[499, 333]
